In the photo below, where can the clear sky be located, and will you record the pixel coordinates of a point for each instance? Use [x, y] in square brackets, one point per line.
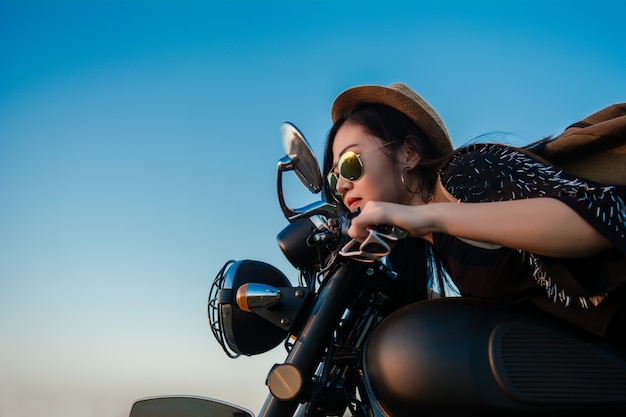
[138, 151]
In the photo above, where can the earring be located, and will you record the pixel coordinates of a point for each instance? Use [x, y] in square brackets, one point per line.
[404, 183]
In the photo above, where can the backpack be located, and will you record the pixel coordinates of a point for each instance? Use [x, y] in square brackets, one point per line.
[593, 148]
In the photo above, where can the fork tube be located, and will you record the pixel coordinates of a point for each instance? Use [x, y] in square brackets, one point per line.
[307, 351]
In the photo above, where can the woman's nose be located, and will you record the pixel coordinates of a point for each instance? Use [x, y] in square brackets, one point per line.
[343, 185]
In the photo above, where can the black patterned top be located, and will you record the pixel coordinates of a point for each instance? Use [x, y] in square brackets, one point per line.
[582, 291]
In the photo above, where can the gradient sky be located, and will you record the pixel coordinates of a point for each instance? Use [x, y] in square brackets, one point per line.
[138, 151]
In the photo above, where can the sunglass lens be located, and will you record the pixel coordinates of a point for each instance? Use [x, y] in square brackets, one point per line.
[350, 167]
[332, 186]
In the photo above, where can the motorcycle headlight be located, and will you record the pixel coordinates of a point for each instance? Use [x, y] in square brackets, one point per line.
[267, 298]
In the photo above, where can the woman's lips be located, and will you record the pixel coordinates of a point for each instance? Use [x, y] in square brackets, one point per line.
[352, 203]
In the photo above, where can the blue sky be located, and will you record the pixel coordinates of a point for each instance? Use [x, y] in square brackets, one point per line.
[138, 151]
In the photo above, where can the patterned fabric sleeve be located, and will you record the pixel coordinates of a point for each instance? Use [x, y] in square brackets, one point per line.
[492, 172]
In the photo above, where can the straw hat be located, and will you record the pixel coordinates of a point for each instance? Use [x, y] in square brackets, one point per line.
[403, 99]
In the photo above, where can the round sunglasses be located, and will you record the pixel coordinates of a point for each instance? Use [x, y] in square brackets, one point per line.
[349, 167]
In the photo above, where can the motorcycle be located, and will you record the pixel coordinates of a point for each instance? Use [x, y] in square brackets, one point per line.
[352, 350]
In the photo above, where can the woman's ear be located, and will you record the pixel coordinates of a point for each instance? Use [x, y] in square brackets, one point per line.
[409, 156]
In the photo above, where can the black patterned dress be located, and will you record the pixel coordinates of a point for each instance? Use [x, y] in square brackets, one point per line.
[587, 292]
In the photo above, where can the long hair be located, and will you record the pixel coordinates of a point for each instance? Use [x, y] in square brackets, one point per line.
[413, 259]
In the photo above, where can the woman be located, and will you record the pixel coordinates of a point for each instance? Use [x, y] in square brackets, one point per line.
[499, 222]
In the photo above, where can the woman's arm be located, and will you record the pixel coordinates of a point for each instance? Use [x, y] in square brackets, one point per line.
[544, 226]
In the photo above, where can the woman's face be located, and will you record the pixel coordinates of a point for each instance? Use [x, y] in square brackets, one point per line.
[380, 178]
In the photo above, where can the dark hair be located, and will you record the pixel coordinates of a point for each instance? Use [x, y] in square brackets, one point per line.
[412, 258]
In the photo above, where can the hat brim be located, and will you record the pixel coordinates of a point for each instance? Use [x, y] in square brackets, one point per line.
[407, 102]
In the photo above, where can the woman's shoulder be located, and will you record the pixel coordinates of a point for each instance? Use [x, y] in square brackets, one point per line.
[496, 172]
[493, 157]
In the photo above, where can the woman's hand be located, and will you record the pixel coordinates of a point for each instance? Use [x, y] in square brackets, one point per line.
[413, 219]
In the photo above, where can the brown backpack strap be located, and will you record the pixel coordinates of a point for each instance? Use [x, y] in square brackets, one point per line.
[593, 148]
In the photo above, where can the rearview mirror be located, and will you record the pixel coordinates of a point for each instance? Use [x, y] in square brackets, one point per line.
[302, 157]
[185, 407]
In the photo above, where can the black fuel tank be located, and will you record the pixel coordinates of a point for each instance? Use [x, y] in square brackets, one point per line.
[445, 355]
